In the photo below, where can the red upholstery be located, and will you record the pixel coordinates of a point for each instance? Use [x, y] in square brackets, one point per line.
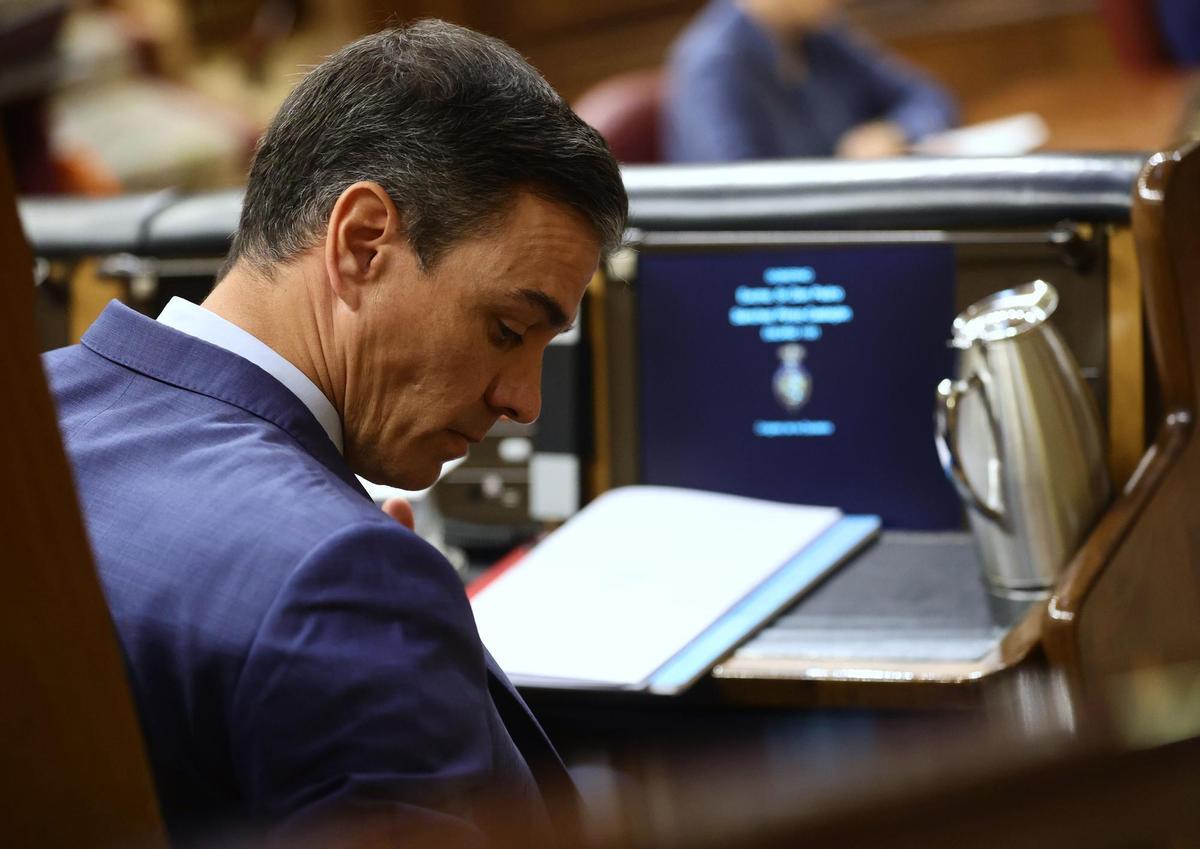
[625, 110]
[1133, 29]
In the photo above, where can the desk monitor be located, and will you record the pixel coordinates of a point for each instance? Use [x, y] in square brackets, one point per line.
[796, 373]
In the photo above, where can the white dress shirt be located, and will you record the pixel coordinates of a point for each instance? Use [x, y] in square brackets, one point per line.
[196, 321]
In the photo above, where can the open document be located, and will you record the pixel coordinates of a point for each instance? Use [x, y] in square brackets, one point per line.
[648, 587]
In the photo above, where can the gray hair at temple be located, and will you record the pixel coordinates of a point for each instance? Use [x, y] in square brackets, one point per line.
[451, 123]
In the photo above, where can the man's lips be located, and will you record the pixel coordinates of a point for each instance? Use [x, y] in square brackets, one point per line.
[474, 440]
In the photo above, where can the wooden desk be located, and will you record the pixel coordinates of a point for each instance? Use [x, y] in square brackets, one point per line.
[1120, 111]
[1119, 772]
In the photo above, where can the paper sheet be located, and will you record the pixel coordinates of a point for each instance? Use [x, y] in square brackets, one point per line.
[1009, 136]
[630, 580]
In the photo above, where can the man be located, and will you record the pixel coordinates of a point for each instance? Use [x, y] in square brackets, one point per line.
[420, 220]
[765, 79]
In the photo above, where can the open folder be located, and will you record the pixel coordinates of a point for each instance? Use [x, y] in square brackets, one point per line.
[648, 587]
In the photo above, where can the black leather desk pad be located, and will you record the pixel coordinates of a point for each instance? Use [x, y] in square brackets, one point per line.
[909, 596]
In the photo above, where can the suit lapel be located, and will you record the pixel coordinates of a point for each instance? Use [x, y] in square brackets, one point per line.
[551, 774]
[503, 691]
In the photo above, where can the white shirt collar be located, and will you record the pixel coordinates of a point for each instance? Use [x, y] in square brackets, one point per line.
[207, 326]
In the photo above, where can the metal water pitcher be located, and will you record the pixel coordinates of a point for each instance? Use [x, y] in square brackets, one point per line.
[1019, 436]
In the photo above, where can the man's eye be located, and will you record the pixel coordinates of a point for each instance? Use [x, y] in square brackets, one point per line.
[506, 336]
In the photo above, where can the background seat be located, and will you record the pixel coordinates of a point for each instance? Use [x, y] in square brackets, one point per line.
[626, 109]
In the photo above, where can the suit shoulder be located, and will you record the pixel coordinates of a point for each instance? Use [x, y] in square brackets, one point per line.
[387, 549]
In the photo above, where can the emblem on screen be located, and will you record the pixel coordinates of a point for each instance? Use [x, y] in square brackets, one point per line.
[792, 382]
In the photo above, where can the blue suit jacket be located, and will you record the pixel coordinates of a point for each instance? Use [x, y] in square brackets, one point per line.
[292, 650]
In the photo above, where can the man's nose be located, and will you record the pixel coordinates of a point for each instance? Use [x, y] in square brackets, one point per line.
[517, 391]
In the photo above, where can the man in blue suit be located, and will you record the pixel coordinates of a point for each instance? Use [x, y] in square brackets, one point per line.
[420, 220]
[769, 79]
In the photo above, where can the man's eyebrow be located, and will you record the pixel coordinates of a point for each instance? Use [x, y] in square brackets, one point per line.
[556, 317]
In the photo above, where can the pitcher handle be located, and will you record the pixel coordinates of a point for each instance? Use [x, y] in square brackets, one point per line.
[949, 393]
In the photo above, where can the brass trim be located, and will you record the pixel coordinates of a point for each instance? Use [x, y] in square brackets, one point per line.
[1126, 367]
[90, 293]
[599, 466]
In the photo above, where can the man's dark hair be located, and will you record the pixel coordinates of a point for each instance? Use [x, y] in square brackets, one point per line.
[451, 123]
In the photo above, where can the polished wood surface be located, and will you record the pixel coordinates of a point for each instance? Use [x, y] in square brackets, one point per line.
[598, 474]
[1083, 799]
[1126, 363]
[1096, 109]
[978, 61]
[89, 295]
[1131, 597]
[1032, 767]
[73, 772]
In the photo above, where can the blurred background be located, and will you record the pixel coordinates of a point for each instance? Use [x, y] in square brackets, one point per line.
[129, 95]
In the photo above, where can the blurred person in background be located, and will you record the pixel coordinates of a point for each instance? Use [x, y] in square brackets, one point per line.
[421, 219]
[766, 79]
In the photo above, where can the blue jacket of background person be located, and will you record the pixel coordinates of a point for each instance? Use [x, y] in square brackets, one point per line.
[730, 96]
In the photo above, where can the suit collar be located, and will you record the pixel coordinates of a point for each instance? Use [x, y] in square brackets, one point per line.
[195, 320]
[139, 343]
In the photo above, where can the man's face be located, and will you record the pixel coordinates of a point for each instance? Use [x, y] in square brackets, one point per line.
[442, 355]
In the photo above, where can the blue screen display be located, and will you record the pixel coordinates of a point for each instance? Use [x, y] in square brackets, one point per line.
[804, 375]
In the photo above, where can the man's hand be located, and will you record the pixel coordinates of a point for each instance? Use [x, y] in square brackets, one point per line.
[400, 510]
[872, 140]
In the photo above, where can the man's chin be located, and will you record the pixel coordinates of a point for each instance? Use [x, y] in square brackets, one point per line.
[412, 470]
[409, 477]
[416, 479]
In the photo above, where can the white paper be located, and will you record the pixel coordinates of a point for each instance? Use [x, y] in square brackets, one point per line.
[1010, 136]
[635, 576]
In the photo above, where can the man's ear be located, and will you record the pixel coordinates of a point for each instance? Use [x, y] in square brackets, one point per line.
[363, 229]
